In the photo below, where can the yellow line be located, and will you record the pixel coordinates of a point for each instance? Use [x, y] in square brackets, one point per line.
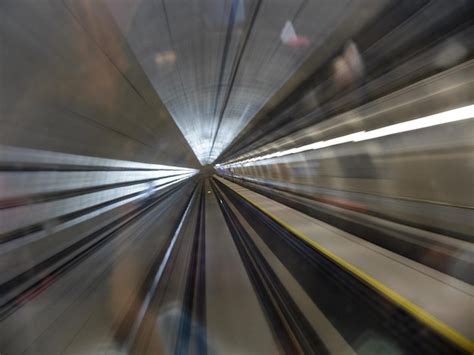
[413, 309]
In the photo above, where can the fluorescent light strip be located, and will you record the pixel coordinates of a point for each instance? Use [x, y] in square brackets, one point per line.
[459, 114]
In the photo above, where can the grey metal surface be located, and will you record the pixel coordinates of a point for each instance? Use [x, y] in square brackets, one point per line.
[70, 83]
[211, 77]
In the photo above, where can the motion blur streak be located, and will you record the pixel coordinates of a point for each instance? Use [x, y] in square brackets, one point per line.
[215, 177]
[458, 114]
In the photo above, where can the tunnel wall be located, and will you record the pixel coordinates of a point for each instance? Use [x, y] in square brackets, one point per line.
[69, 83]
[406, 177]
[80, 126]
[54, 206]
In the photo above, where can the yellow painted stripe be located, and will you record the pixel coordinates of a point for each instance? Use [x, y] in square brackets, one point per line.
[419, 313]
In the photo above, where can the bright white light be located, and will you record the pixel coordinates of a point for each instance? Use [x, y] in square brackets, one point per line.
[458, 114]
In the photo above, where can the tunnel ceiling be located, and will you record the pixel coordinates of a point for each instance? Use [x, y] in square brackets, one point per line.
[215, 64]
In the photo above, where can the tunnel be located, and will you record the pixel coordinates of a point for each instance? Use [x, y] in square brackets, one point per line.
[236, 177]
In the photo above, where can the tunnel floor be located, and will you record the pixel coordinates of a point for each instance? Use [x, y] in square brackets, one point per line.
[209, 266]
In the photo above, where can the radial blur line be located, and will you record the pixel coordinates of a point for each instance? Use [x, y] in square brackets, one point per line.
[235, 68]
[191, 95]
[157, 278]
[459, 114]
